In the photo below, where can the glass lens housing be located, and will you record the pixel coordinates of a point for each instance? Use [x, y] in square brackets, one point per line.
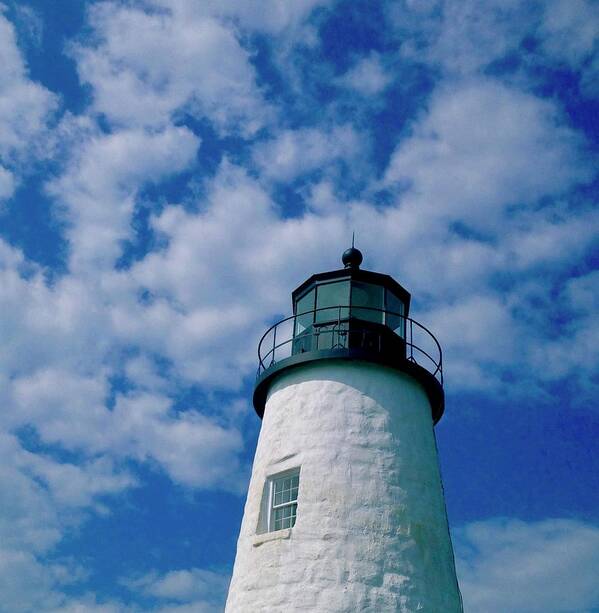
[330, 296]
[367, 295]
[394, 316]
[305, 303]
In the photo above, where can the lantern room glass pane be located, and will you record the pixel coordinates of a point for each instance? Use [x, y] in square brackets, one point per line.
[332, 295]
[394, 316]
[305, 303]
[367, 295]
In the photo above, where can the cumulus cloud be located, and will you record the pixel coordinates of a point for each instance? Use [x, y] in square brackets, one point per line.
[469, 39]
[99, 186]
[511, 566]
[569, 30]
[42, 498]
[483, 147]
[25, 583]
[49, 388]
[574, 352]
[24, 104]
[458, 38]
[70, 411]
[368, 76]
[293, 153]
[274, 17]
[7, 184]
[147, 65]
[193, 589]
[25, 109]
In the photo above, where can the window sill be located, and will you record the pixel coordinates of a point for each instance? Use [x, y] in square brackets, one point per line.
[279, 535]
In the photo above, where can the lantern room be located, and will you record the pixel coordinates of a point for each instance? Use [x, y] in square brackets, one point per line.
[351, 314]
[349, 307]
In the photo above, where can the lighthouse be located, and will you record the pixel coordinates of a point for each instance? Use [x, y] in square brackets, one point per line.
[345, 509]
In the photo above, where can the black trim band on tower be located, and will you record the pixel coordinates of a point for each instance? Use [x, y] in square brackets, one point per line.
[432, 386]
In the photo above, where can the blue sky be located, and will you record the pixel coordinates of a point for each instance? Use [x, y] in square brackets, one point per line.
[171, 170]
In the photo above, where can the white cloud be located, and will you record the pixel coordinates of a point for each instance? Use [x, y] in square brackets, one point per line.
[574, 352]
[368, 76]
[28, 520]
[99, 186]
[570, 30]
[25, 109]
[293, 153]
[47, 327]
[461, 39]
[7, 183]
[192, 587]
[273, 17]
[533, 238]
[50, 388]
[89, 604]
[69, 410]
[511, 566]
[147, 65]
[24, 105]
[146, 375]
[77, 486]
[470, 38]
[193, 449]
[41, 499]
[475, 332]
[582, 294]
[25, 584]
[43, 496]
[483, 147]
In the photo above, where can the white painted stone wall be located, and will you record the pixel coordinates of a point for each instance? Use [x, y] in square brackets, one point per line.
[371, 531]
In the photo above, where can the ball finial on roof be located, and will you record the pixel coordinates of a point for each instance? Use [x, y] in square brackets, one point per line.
[352, 258]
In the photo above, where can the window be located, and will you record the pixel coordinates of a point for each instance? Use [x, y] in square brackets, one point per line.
[332, 295]
[367, 295]
[283, 501]
[394, 317]
[305, 303]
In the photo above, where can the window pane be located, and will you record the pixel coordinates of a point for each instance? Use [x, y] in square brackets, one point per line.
[284, 517]
[305, 303]
[367, 295]
[396, 323]
[284, 502]
[332, 295]
[278, 519]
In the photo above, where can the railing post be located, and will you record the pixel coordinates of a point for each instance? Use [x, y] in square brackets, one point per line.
[411, 341]
[274, 343]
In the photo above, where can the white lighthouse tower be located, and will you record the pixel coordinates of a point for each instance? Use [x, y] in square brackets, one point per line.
[345, 509]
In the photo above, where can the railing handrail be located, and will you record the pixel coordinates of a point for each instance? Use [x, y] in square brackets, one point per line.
[438, 363]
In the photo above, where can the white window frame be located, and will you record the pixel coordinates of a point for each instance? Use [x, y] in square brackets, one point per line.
[271, 491]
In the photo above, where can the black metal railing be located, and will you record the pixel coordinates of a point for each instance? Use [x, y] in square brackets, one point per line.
[343, 327]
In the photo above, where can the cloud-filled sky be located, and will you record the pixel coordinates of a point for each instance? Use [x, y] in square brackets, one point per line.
[171, 170]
